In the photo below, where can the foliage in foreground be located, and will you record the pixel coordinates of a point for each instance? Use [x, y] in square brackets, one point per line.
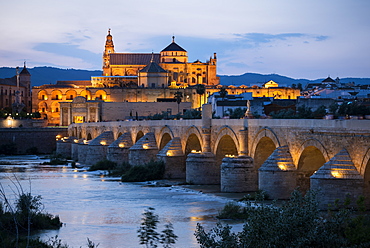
[18, 219]
[297, 223]
[148, 234]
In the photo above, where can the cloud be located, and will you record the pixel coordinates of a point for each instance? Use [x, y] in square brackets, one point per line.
[69, 50]
[266, 38]
[321, 38]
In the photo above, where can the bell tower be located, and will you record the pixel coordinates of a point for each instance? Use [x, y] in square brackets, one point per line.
[109, 48]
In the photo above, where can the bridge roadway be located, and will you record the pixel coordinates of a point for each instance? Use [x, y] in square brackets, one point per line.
[308, 150]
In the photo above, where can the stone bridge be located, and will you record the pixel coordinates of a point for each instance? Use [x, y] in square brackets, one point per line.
[242, 155]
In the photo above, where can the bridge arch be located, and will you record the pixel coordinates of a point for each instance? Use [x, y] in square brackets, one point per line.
[365, 166]
[312, 155]
[265, 142]
[310, 144]
[192, 140]
[138, 136]
[164, 136]
[226, 143]
[225, 130]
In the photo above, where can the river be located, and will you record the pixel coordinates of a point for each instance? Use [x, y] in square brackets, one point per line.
[107, 211]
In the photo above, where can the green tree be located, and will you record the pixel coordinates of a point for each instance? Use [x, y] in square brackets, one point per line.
[320, 112]
[304, 112]
[201, 90]
[168, 237]
[147, 232]
[333, 108]
[236, 113]
[178, 96]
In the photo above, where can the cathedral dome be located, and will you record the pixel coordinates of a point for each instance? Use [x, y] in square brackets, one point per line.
[173, 47]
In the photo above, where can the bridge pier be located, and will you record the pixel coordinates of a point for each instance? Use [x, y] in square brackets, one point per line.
[143, 151]
[173, 159]
[238, 175]
[201, 168]
[277, 175]
[338, 179]
[82, 151]
[64, 146]
[118, 151]
[74, 149]
[97, 148]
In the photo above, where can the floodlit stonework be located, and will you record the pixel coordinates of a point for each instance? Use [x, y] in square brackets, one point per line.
[275, 155]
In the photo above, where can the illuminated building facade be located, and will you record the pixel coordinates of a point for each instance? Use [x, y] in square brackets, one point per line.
[9, 87]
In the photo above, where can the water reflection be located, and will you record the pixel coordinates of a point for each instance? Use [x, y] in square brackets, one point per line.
[107, 211]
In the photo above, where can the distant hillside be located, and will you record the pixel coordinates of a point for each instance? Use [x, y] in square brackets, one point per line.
[50, 75]
[259, 79]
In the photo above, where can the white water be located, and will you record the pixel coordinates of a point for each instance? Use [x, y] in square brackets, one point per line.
[105, 210]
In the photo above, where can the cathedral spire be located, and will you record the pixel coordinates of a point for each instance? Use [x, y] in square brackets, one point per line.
[109, 48]
[173, 39]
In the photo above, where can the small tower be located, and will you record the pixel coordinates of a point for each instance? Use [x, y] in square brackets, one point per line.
[109, 48]
[25, 81]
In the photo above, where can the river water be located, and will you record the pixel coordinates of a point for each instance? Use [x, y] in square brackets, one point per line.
[106, 210]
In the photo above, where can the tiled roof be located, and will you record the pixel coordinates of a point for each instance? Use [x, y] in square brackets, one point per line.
[25, 71]
[174, 47]
[9, 81]
[153, 67]
[328, 80]
[133, 58]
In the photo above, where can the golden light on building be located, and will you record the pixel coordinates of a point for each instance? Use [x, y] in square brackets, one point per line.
[59, 137]
[121, 145]
[169, 153]
[85, 142]
[336, 174]
[282, 166]
[103, 143]
[145, 146]
[195, 151]
[75, 140]
[229, 156]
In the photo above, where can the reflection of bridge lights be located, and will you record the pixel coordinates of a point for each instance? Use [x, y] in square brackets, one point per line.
[121, 145]
[193, 218]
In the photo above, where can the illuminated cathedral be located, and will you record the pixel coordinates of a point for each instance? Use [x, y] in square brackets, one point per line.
[170, 68]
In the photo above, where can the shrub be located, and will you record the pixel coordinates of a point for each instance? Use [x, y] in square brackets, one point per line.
[297, 223]
[120, 169]
[103, 165]
[153, 170]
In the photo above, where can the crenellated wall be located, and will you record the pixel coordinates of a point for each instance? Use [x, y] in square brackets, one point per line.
[301, 148]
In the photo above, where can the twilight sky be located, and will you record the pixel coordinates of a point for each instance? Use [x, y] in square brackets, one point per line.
[296, 38]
